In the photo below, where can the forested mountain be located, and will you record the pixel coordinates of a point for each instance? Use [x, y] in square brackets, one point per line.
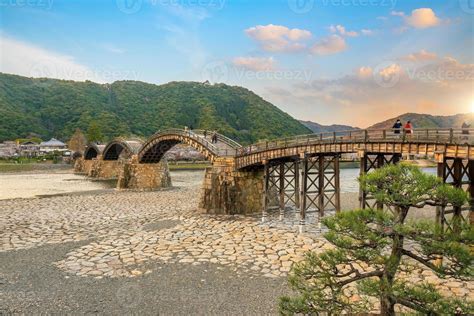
[55, 108]
[428, 121]
[319, 128]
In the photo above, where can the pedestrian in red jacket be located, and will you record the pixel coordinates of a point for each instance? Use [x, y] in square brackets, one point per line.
[408, 128]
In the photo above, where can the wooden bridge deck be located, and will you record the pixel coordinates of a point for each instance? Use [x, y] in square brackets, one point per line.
[452, 143]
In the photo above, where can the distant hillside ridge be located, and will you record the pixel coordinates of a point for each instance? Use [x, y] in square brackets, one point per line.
[319, 128]
[55, 108]
[428, 121]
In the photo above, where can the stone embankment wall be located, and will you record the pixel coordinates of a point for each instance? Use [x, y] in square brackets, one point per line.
[83, 166]
[224, 191]
[106, 169]
[227, 191]
[135, 175]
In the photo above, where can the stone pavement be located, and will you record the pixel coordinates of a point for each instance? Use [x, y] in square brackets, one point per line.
[126, 229]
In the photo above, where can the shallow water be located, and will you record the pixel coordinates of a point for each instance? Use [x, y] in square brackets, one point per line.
[39, 183]
[349, 177]
[31, 184]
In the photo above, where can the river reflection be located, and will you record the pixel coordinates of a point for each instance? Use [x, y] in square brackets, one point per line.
[349, 183]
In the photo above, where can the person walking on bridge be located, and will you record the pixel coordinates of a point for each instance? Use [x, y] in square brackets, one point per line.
[408, 128]
[397, 127]
[465, 130]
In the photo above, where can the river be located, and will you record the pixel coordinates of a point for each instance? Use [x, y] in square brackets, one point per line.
[41, 183]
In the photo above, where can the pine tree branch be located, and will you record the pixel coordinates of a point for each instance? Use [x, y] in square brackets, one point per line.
[421, 260]
[451, 272]
[359, 277]
[412, 305]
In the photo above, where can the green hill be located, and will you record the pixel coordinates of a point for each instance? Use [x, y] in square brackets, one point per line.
[319, 128]
[428, 121]
[55, 108]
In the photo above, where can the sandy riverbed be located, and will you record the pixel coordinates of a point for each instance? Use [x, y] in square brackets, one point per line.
[31, 184]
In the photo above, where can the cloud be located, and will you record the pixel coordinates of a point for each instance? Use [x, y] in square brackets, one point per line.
[387, 73]
[420, 56]
[277, 38]
[443, 87]
[28, 60]
[255, 63]
[444, 72]
[419, 18]
[367, 32]
[397, 13]
[329, 45]
[422, 18]
[112, 48]
[342, 31]
[364, 72]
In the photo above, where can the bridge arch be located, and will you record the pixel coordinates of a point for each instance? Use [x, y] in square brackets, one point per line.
[157, 145]
[92, 151]
[121, 147]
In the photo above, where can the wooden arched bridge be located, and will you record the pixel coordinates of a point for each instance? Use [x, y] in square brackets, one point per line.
[301, 171]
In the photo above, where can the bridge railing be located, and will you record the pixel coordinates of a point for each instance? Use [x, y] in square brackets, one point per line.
[445, 136]
[189, 134]
[226, 140]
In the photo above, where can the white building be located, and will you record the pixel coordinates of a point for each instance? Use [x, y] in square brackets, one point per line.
[52, 145]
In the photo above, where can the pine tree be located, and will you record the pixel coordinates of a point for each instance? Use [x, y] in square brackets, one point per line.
[372, 247]
[94, 133]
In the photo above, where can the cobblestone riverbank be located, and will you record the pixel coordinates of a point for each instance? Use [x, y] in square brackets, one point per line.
[117, 235]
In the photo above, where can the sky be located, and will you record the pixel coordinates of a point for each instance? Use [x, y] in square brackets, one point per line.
[353, 62]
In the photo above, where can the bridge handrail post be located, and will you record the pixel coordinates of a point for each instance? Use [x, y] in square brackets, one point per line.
[366, 135]
[404, 137]
[384, 134]
[334, 137]
[451, 135]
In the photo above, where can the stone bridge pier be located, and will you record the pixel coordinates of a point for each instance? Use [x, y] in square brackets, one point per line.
[228, 191]
[105, 169]
[143, 176]
[84, 166]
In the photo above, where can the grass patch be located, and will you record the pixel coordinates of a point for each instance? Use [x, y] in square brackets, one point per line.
[24, 167]
[10, 167]
[188, 166]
